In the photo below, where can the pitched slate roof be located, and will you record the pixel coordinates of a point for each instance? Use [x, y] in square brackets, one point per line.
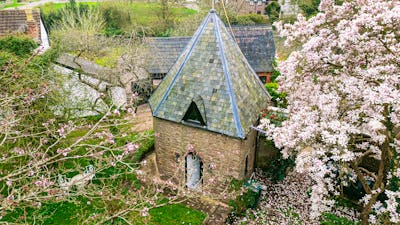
[258, 46]
[20, 21]
[256, 42]
[165, 51]
[213, 73]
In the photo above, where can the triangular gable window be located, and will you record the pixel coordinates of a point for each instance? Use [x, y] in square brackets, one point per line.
[193, 115]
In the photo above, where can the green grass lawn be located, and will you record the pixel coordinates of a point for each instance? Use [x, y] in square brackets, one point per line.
[49, 7]
[142, 13]
[148, 13]
[12, 5]
[176, 214]
[80, 211]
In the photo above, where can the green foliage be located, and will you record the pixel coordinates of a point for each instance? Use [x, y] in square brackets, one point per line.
[117, 16]
[15, 3]
[77, 212]
[176, 214]
[279, 167]
[248, 19]
[276, 117]
[331, 219]
[63, 212]
[146, 147]
[123, 17]
[19, 45]
[107, 57]
[275, 73]
[248, 199]
[272, 10]
[278, 98]
[5, 58]
[53, 14]
[236, 184]
[310, 8]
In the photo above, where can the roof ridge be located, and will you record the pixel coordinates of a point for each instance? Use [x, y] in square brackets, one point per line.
[201, 30]
[228, 79]
[212, 67]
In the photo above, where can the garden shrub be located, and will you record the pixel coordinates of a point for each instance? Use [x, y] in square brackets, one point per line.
[248, 200]
[20, 45]
[278, 98]
[53, 18]
[249, 19]
[331, 219]
[279, 167]
[272, 10]
[116, 16]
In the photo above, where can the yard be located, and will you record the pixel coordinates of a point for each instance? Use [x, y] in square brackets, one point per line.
[14, 4]
[337, 134]
[115, 191]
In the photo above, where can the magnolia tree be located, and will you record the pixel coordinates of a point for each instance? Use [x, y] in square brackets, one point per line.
[47, 159]
[343, 97]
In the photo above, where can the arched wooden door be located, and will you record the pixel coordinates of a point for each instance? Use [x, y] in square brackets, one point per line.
[193, 171]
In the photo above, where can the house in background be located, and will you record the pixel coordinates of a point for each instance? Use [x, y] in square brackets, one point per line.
[22, 22]
[203, 112]
[258, 46]
[254, 6]
[256, 43]
[28, 22]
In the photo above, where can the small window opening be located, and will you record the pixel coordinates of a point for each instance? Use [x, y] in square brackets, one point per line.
[158, 76]
[214, 90]
[263, 79]
[193, 171]
[211, 61]
[193, 115]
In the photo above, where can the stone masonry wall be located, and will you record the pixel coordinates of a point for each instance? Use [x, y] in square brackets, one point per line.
[248, 149]
[223, 157]
[20, 21]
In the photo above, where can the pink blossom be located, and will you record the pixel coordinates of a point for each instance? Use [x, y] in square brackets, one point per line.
[10, 197]
[341, 85]
[131, 147]
[61, 132]
[64, 152]
[19, 151]
[116, 112]
[144, 212]
[43, 182]
[190, 147]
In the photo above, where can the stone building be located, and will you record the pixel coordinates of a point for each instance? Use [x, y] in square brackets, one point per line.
[254, 6]
[256, 43]
[203, 111]
[21, 21]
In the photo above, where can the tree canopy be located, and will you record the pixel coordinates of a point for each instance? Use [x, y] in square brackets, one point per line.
[343, 101]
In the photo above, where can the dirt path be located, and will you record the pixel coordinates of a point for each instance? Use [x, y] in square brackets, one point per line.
[143, 119]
